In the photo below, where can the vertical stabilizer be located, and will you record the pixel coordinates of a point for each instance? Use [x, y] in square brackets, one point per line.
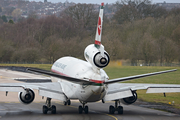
[99, 28]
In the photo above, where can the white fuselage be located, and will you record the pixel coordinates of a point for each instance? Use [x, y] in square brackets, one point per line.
[76, 68]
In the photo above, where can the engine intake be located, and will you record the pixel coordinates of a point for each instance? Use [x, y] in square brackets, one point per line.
[26, 97]
[131, 99]
[100, 61]
[93, 55]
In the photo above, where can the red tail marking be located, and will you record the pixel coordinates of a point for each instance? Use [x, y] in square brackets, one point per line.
[102, 4]
[99, 26]
[97, 42]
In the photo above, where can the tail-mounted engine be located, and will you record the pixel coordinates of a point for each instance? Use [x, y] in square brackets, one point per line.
[94, 56]
[131, 99]
[27, 96]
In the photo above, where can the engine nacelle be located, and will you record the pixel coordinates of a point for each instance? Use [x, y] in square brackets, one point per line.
[26, 97]
[93, 55]
[130, 100]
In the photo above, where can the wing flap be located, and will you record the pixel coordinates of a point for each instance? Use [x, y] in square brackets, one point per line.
[52, 94]
[117, 94]
[151, 88]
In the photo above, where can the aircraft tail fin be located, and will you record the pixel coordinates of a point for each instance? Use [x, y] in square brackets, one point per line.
[99, 28]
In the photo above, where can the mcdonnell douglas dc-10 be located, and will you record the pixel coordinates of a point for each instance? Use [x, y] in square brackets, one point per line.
[86, 81]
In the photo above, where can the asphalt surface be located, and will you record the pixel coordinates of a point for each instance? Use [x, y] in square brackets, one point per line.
[97, 111]
[11, 108]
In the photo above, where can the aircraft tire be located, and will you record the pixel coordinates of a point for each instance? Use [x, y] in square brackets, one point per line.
[45, 109]
[65, 103]
[53, 111]
[111, 109]
[69, 102]
[80, 109]
[86, 109]
[120, 110]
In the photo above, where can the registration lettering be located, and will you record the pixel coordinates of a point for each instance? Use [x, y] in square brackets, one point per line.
[60, 65]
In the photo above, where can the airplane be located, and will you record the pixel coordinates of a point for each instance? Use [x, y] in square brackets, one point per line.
[86, 81]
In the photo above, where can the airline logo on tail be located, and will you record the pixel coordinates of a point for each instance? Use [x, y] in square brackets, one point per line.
[99, 27]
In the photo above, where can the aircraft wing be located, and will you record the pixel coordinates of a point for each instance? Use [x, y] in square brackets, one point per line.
[137, 76]
[151, 88]
[33, 80]
[48, 89]
[123, 90]
[71, 79]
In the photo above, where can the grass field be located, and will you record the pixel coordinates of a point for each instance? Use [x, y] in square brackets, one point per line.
[167, 78]
[115, 71]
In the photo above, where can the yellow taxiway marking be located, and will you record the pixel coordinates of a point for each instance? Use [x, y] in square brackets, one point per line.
[112, 116]
[2, 77]
[90, 110]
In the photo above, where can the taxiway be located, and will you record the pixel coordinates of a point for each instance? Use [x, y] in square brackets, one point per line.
[11, 108]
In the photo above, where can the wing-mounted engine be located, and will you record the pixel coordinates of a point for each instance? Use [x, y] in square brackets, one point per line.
[94, 56]
[130, 100]
[27, 96]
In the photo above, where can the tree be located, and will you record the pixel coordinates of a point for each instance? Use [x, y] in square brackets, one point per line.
[11, 21]
[131, 10]
[4, 18]
[32, 14]
[17, 14]
[148, 49]
[83, 14]
[134, 47]
[0, 9]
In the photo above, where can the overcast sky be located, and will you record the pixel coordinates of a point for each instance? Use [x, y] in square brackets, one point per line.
[105, 1]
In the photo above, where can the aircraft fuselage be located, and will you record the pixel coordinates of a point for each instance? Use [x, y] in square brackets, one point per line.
[73, 67]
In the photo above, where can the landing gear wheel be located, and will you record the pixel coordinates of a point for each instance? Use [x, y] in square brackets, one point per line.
[80, 109]
[117, 108]
[69, 102]
[45, 109]
[111, 109]
[65, 103]
[86, 109]
[53, 109]
[120, 110]
[48, 107]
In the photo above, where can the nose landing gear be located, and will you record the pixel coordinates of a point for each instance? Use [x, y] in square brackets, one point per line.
[119, 108]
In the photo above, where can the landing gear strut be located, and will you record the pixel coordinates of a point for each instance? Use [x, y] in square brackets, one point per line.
[119, 108]
[68, 102]
[83, 108]
[48, 107]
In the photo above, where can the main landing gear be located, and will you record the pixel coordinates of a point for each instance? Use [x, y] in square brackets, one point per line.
[83, 108]
[119, 108]
[68, 102]
[48, 107]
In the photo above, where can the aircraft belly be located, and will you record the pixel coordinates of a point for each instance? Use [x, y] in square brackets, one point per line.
[92, 93]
